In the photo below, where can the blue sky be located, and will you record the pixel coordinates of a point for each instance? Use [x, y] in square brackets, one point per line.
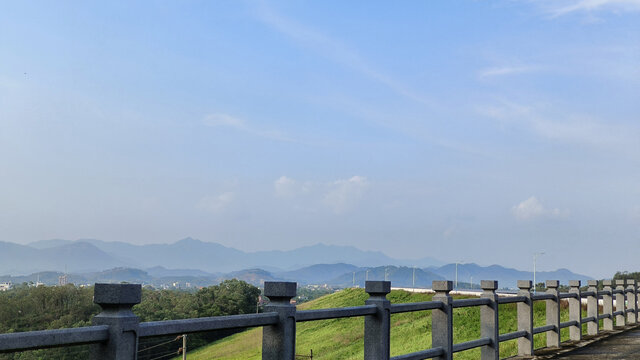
[475, 131]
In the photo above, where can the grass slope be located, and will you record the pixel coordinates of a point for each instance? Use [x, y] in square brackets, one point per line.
[344, 338]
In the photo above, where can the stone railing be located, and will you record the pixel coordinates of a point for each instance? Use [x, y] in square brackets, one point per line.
[116, 330]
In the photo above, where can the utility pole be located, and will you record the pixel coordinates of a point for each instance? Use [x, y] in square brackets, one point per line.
[471, 282]
[535, 257]
[385, 273]
[366, 276]
[184, 347]
[354, 279]
[455, 287]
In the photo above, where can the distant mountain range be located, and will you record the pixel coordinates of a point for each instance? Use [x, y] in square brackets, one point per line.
[202, 263]
[95, 255]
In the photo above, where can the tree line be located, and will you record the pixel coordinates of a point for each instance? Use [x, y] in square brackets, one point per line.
[25, 308]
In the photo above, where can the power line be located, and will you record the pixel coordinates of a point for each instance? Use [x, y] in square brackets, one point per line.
[164, 343]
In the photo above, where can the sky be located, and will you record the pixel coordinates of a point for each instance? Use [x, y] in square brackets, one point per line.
[470, 131]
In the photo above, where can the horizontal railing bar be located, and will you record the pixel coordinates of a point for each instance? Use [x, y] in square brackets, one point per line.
[185, 326]
[568, 295]
[587, 319]
[542, 329]
[543, 297]
[616, 292]
[512, 335]
[603, 292]
[419, 355]
[618, 313]
[336, 313]
[419, 306]
[569, 323]
[511, 299]
[471, 344]
[470, 302]
[42, 339]
[588, 293]
[604, 316]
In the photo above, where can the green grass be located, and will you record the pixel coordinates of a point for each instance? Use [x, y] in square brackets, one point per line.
[344, 338]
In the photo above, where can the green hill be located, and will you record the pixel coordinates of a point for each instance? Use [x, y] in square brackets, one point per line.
[344, 338]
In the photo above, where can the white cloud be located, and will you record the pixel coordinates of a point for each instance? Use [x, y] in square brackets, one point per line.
[532, 208]
[572, 128]
[344, 195]
[563, 7]
[225, 120]
[285, 187]
[505, 70]
[217, 203]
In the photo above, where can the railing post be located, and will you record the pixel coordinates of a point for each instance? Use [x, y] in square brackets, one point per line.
[279, 340]
[607, 304]
[525, 319]
[553, 314]
[442, 319]
[620, 303]
[116, 301]
[592, 307]
[575, 311]
[377, 327]
[632, 304]
[489, 326]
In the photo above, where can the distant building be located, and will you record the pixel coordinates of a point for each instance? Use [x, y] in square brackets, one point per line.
[5, 286]
[63, 280]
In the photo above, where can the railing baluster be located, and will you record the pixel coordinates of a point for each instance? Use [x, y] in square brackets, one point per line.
[553, 314]
[489, 326]
[620, 320]
[525, 319]
[632, 305]
[575, 311]
[279, 341]
[442, 319]
[592, 307]
[116, 301]
[607, 305]
[377, 327]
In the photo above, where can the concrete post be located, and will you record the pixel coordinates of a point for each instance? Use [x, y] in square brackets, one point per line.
[620, 303]
[442, 319]
[607, 305]
[525, 319]
[116, 301]
[489, 321]
[632, 304]
[377, 327]
[553, 314]
[279, 340]
[575, 311]
[592, 307]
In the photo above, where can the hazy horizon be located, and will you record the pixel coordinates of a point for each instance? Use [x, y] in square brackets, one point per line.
[473, 131]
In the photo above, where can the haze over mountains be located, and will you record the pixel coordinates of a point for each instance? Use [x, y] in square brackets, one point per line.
[202, 263]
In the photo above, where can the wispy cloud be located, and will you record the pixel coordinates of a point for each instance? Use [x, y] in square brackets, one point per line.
[506, 70]
[343, 195]
[532, 208]
[336, 51]
[225, 120]
[563, 7]
[340, 196]
[218, 203]
[572, 128]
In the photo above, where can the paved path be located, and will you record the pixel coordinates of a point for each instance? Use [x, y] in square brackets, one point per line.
[622, 346]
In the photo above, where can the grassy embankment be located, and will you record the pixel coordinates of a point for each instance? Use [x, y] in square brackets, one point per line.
[344, 338]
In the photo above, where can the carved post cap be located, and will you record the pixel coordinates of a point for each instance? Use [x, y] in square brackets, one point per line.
[574, 283]
[620, 282]
[280, 291]
[525, 284]
[117, 294]
[631, 282]
[552, 284]
[377, 287]
[594, 283]
[607, 282]
[442, 285]
[488, 284]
